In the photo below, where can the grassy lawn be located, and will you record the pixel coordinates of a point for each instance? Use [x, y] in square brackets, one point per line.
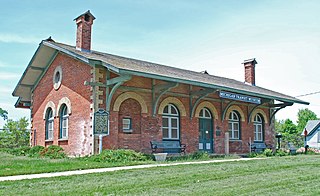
[297, 175]
[17, 165]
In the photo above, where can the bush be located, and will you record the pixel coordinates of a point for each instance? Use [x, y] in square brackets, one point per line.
[268, 152]
[281, 152]
[21, 151]
[35, 151]
[53, 152]
[118, 156]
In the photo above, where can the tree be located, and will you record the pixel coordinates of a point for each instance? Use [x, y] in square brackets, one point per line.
[3, 114]
[289, 132]
[15, 133]
[303, 116]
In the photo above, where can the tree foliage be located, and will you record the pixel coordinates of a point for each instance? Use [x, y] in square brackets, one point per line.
[303, 116]
[3, 114]
[15, 134]
[292, 132]
[289, 132]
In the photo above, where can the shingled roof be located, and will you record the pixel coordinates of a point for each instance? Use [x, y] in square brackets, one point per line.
[124, 65]
[140, 66]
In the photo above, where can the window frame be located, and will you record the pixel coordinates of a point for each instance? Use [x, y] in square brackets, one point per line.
[232, 121]
[202, 114]
[64, 117]
[258, 123]
[129, 129]
[49, 124]
[170, 116]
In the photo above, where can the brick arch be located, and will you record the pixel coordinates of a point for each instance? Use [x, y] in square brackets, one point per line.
[51, 105]
[127, 95]
[261, 112]
[62, 101]
[174, 101]
[238, 109]
[210, 106]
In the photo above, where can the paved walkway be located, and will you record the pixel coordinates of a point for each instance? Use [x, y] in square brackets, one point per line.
[90, 171]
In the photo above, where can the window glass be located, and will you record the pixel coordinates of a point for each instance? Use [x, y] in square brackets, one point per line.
[258, 128]
[49, 124]
[64, 118]
[170, 122]
[126, 124]
[204, 113]
[165, 122]
[165, 132]
[234, 125]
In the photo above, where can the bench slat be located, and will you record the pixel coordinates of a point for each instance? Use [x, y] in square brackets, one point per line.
[168, 146]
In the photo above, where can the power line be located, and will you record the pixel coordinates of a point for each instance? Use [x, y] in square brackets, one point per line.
[308, 94]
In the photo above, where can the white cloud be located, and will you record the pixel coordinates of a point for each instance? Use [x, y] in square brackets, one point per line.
[12, 38]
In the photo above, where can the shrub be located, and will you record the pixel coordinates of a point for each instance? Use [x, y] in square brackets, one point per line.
[252, 155]
[119, 155]
[53, 152]
[281, 152]
[35, 151]
[21, 151]
[268, 152]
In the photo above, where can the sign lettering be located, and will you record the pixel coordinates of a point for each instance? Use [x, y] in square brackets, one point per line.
[239, 97]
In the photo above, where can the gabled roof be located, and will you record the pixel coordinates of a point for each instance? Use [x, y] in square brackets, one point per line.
[311, 126]
[123, 65]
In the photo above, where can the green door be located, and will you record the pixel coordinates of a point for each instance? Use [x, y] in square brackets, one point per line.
[205, 132]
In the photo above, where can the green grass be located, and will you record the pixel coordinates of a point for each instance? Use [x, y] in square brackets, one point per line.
[18, 165]
[296, 175]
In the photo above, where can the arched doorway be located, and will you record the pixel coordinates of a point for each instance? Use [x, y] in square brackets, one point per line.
[205, 131]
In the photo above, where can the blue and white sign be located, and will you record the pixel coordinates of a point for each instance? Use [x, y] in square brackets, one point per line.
[239, 97]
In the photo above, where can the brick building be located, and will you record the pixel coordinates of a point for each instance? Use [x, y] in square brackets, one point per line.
[65, 87]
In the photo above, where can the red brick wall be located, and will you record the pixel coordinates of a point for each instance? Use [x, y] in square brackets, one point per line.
[150, 126]
[74, 73]
[83, 40]
[146, 127]
[249, 74]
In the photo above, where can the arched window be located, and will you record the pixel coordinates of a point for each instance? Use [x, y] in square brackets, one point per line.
[204, 113]
[258, 128]
[49, 124]
[234, 125]
[64, 116]
[170, 122]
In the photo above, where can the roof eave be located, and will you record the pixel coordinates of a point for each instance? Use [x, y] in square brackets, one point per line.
[143, 74]
[25, 71]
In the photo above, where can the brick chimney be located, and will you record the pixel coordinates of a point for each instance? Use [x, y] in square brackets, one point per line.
[84, 23]
[249, 71]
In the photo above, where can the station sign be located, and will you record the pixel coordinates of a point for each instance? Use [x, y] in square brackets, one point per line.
[238, 97]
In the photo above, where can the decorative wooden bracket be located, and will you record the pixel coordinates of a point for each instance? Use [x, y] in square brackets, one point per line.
[276, 108]
[114, 82]
[251, 112]
[226, 109]
[201, 94]
[158, 91]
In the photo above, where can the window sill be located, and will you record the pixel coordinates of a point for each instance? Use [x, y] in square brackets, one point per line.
[50, 140]
[235, 140]
[127, 131]
[63, 139]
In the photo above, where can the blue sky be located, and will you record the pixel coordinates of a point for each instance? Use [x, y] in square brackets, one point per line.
[198, 35]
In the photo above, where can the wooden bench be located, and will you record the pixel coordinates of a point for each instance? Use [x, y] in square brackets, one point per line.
[258, 147]
[167, 147]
